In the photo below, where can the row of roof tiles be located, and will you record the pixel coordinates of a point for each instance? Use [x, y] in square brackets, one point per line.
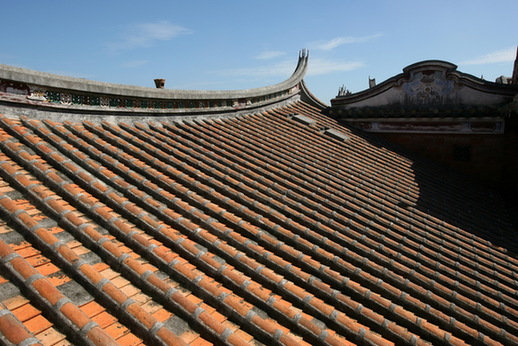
[257, 229]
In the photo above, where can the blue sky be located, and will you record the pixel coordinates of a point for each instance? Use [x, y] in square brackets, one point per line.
[221, 45]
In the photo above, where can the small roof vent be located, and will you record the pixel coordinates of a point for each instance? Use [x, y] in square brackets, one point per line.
[336, 134]
[301, 118]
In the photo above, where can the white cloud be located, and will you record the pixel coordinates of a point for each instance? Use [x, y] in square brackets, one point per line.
[340, 41]
[269, 54]
[147, 34]
[504, 55]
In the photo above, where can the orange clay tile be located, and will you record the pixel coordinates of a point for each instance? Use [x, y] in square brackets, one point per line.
[24, 248]
[63, 343]
[194, 299]
[15, 302]
[39, 217]
[92, 308]
[120, 282]
[189, 337]
[50, 336]
[13, 331]
[24, 312]
[106, 272]
[130, 290]
[37, 260]
[245, 336]
[161, 314]
[116, 330]
[129, 340]
[140, 298]
[37, 324]
[47, 269]
[81, 250]
[4, 229]
[104, 319]
[208, 308]
[55, 230]
[229, 325]
[151, 306]
[58, 278]
[200, 342]
[219, 317]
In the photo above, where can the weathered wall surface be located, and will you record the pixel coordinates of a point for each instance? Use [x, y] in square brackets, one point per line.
[479, 156]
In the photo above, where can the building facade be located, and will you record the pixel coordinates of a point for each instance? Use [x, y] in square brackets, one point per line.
[462, 121]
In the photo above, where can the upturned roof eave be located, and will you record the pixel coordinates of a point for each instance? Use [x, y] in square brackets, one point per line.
[55, 81]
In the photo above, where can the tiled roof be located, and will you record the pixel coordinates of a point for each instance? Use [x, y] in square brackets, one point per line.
[254, 229]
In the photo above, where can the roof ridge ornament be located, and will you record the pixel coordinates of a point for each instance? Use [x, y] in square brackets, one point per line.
[342, 91]
[303, 53]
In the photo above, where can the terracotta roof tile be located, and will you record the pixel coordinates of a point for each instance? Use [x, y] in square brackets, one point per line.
[250, 229]
[15, 331]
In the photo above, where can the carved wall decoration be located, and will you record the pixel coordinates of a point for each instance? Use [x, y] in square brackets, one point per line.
[104, 101]
[37, 94]
[14, 87]
[66, 99]
[429, 88]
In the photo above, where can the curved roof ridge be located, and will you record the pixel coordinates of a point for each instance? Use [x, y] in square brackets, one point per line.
[29, 92]
[431, 62]
[45, 79]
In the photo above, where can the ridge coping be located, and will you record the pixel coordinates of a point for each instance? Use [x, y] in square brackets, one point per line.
[56, 97]
[24, 75]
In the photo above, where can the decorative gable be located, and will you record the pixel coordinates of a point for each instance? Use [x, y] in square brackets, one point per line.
[428, 89]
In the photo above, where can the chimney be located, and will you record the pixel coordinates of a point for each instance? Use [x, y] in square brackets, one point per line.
[160, 83]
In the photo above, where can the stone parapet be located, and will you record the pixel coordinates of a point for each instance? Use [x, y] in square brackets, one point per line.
[76, 95]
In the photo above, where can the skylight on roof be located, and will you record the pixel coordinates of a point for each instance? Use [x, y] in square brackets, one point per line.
[302, 119]
[336, 134]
